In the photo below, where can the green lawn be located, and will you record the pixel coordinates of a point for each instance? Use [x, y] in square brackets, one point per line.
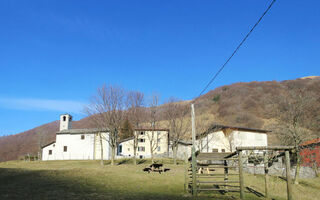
[88, 180]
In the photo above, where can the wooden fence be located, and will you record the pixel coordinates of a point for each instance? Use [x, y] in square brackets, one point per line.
[203, 172]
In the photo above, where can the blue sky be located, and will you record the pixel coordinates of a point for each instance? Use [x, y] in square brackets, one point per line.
[54, 54]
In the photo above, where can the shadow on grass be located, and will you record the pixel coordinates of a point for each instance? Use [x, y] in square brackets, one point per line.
[141, 161]
[255, 192]
[60, 184]
[125, 161]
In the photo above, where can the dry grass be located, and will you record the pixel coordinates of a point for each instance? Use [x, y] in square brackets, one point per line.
[88, 180]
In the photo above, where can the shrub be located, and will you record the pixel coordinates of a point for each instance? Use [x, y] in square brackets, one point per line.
[216, 98]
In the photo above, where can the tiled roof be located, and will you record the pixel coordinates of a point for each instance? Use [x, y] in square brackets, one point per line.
[218, 127]
[82, 131]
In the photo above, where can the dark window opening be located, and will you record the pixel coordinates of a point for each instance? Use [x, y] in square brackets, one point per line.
[214, 150]
[141, 140]
[141, 148]
[120, 149]
[64, 118]
[50, 152]
[82, 137]
[141, 133]
[65, 148]
[223, 150]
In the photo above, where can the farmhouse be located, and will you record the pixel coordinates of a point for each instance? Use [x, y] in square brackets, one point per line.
[76, 144]
[220, 138]
[158, 139]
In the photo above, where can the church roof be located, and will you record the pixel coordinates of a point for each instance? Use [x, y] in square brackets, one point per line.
[82, 131]
[48, 144]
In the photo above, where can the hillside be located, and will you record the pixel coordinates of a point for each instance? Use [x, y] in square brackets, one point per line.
[241, 104]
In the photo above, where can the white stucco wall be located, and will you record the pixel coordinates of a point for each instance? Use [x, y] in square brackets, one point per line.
[45, 152]
[215, 140]
[106, 147]
[77, 148]
[127, 146]
[183, 151]
[245, 138]
[126, 149]
[218, 140]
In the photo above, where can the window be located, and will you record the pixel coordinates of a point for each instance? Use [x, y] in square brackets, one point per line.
[50, 152]
[141, 133]
[159, 149]
[82, 137]
[141, 148]
[65, 148]
[64, 118]
[120, 148]
[128, 149]
[141, 140]
[223, 150]
[214, 150]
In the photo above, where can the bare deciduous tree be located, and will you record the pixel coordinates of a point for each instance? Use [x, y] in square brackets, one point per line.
[153, 119]
[135, 102]
[107, 111]
[293, 121]
[179, 122]
[202, 125]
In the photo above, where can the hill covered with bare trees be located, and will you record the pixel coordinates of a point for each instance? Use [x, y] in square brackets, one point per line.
[292, 105]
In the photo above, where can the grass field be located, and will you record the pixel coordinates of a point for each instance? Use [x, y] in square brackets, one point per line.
[88, 180]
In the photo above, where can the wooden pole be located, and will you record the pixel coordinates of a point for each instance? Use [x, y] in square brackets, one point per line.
[241, 175]
[264, 148]
[266, 176]
[226, 175]
[289, 184]
[194, 173]
[186, 174]
[193, 126]
[194, 161]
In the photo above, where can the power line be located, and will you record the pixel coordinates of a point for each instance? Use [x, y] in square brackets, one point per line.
[235, 51]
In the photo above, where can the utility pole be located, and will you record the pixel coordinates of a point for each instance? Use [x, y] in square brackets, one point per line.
[193, 126]
[193, 153]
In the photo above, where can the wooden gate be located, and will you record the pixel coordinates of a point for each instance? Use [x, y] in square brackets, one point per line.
[214, 172]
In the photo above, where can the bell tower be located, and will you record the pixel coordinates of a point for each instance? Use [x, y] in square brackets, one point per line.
[65, 122]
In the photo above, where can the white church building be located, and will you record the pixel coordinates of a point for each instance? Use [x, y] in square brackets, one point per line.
[76, 144]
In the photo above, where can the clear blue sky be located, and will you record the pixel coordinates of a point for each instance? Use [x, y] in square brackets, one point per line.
[54, 54]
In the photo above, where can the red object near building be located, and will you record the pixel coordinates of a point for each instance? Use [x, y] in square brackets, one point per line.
[310, 153]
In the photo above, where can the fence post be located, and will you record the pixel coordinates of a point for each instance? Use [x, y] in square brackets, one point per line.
[226, 175]
[186, 174]
[266, 176]
[194, 173]
[241, 175]
[288, 175]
